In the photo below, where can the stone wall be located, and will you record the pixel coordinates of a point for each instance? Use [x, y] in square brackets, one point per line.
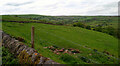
[24, 53]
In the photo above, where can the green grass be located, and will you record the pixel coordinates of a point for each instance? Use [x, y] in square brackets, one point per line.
[0, 25]
[13, 18]
[66, 37]
[7, 57]
[88, 20]
[0, 55]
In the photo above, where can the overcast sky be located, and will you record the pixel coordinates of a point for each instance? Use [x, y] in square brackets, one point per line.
[59, 7]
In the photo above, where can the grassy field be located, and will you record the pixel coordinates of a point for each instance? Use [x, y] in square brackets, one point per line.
[67, 37]
[88, 20]
[67, 20]
[7, 57]
[13, 18]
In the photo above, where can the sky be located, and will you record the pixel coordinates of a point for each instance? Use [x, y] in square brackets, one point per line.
[59, 7]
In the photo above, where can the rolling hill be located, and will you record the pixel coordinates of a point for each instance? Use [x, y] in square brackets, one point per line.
[94, 47]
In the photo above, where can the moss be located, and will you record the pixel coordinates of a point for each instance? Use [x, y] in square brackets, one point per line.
[24, 58]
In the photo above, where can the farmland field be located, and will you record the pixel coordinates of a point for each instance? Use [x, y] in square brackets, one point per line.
[91, 44]
[88, 20]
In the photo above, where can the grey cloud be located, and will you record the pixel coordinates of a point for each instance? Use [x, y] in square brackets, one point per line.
[54, 6]
[18, 4]
[106, 7]
[113, 4]
[62, 7]
[71, 6]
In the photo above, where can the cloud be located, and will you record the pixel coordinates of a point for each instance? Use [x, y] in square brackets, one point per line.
[18, 4]
[60, 7]
[106, 9]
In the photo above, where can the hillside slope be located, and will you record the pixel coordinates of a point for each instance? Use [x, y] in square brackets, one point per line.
[67, 37]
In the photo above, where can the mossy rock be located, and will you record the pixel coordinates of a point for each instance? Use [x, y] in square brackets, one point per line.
[24, 58]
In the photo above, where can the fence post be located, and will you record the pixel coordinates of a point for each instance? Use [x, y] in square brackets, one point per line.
[32, 37]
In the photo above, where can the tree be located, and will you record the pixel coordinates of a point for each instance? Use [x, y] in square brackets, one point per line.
[79, 24]
[111, 30]
[99, 28]
[88, 27]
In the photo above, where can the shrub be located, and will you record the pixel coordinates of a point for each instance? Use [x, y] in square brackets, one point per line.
[79, 24]
[98, 29]
[88, 27]
[59, 23]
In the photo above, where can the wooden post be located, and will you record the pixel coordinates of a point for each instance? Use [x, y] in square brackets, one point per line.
[32, 37]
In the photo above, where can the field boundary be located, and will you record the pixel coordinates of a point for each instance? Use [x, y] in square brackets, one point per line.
[24, 53]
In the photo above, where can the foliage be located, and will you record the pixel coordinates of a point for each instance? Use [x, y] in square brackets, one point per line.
[88, 27]
[79, 24]
[98, 29]
[8, 58]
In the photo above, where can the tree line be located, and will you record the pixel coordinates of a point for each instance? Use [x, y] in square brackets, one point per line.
[108, 29]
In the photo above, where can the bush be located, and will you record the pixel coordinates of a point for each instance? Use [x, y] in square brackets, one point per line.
[79, 24]
[88, 27]
[98, 29]
[111, 30]
[59, 23]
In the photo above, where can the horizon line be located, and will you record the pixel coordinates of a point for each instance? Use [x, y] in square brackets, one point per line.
[59, 15]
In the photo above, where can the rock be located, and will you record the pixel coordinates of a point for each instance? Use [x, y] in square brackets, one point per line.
[7, 41]
[4, 38]
[22, 47]
[13, 47]
[11, 43]
[20, 39]
[42, 60]
[30, 51]
[69, 52]
[23, 52]
[45, 47]
[76, 51]
[66, 51]
[35, 56]
[57, 53]
[90, 54]
[48, 62]
[61, 50]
